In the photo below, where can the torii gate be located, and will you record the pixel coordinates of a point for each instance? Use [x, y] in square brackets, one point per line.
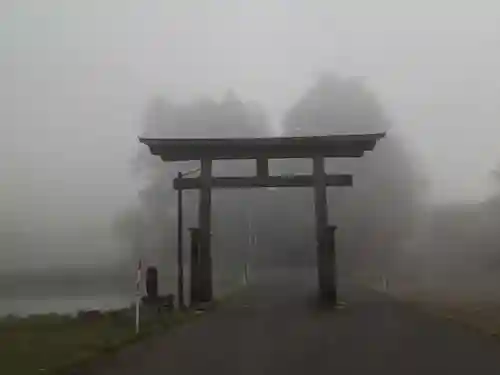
[262, 149]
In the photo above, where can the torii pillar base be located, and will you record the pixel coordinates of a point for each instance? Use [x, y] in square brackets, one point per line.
[324, 254]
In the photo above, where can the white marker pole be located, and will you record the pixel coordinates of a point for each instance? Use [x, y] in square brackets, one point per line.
[138, 296]
[245, 275]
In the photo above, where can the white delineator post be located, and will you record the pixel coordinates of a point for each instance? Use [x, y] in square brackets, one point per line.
[385, 283]
[138, 295]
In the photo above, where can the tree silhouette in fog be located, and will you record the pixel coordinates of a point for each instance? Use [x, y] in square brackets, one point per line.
[373, 217]
[376, 215]
[150, 226]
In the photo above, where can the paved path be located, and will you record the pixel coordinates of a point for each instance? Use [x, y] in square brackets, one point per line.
[277, 331]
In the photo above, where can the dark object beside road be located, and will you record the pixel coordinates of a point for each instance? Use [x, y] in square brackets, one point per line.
[152, 282]
[153, 299]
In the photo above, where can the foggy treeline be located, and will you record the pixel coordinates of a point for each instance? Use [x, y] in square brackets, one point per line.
[454, 252]
[373, 217]
[386, 225]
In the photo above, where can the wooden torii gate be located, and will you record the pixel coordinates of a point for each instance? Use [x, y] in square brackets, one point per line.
[262, 149]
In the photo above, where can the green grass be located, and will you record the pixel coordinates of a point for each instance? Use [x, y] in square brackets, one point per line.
[53, 344]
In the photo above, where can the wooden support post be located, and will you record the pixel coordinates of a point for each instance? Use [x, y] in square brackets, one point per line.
[206, 290]
[195, 267]
[324, 261]
[262, 167]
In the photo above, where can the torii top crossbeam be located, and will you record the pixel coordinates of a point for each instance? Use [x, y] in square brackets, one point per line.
[182, 149]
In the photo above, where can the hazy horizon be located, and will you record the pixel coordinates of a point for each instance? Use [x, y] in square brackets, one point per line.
[76, 79]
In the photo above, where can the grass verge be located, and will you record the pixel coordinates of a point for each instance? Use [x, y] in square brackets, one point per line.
[55, 344]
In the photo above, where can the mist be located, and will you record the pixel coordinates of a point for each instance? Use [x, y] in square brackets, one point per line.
[79, 83]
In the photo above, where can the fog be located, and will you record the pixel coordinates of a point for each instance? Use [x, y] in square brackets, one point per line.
[78, 79]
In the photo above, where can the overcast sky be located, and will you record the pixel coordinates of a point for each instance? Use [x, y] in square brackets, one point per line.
[75, 77]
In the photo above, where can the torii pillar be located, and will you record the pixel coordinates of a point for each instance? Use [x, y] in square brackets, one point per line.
[324, 255]
[205, 208]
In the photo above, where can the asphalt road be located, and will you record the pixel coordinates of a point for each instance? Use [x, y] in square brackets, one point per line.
[278, 330]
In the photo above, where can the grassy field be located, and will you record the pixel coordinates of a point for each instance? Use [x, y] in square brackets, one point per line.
[56, 343]
[53, 344]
